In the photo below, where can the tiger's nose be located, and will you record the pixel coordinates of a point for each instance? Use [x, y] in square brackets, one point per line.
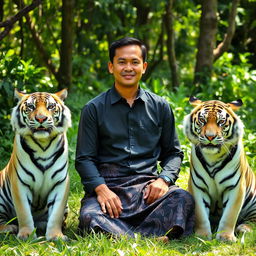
[210, 137]
[40, 118]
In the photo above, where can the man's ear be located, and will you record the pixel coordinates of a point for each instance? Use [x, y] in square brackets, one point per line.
[145, 65]
[110, 67]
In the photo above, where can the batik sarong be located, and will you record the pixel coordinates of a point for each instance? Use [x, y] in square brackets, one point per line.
[172, 214]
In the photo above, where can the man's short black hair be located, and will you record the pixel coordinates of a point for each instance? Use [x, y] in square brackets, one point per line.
[124, 42]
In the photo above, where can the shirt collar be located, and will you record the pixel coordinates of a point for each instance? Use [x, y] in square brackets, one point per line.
[115, 96]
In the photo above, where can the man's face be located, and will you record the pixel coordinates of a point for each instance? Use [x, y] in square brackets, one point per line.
[127, 66]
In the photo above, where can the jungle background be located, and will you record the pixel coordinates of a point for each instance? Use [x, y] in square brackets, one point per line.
[196, 47]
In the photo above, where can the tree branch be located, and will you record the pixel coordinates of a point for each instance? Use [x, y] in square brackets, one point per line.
[8, 24]
[37, 40]
[224, 45]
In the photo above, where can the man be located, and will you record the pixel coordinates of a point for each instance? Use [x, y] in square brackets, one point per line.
[123, 133]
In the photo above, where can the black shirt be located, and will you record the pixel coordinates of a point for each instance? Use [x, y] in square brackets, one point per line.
[135, 138]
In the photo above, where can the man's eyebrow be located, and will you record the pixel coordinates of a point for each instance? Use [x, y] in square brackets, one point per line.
[122, 58]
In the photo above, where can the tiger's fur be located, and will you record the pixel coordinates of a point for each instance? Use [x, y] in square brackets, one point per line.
[34, 185]
[221, 180]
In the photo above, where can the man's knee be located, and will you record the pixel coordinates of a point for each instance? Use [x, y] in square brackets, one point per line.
[85, 220]
[184, 196]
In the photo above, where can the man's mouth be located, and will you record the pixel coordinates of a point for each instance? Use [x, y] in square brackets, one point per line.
[128, 75]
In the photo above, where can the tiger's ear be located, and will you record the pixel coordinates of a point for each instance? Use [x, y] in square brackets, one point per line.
[62, 94]
[236, 104]
[194, 101]
[18, 95]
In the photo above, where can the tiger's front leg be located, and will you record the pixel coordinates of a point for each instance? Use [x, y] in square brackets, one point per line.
[21, 197]
[57, 202]
[202, 223]
[230, 214]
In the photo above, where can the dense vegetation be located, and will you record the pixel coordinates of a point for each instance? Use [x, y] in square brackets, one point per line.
[64, 44]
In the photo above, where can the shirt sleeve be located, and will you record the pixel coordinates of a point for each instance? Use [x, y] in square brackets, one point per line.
[87, 149]
[171, 154]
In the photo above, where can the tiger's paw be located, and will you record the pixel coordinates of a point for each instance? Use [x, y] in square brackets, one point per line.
[13, 229]
[204, 233]
[243, 228]
[56, 236]
[24, 233]
[226, 237]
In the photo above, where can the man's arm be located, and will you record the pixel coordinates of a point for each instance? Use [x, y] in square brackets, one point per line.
[171, 153]
[170, 159]
[86, 159]
[87, 149]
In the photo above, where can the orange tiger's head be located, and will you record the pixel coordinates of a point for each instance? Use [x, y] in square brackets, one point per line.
[213, 125]
[41, 114]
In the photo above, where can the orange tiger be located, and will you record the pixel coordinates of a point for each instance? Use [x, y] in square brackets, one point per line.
[221, 180]
[34, 185]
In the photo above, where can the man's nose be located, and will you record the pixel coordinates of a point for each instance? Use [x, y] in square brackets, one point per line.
[128, 66]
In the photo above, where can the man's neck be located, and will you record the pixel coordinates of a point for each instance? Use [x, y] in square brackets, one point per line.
[128, 93]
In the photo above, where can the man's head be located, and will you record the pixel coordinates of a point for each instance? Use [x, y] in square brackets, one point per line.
[124, 42]
[127, 62]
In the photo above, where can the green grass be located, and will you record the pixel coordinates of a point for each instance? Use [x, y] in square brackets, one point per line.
[100, 244]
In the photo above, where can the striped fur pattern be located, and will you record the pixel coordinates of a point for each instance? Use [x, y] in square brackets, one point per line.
[34, 185]
[221, 180]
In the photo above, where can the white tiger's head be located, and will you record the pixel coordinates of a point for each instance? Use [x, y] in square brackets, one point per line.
[41, 114]
[213, 126]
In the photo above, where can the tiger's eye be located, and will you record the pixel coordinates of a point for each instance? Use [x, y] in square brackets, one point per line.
[30, 106]
[221, 122]
[201, 119]
[51, 106]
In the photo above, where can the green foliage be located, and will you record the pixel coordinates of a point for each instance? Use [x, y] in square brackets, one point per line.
[97, 23]
[233, 81]
[20, 74]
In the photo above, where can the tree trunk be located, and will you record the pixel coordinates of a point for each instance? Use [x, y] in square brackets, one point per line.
[171, 45]
[206, 43]
[67, 35]
[142, 13]
[1, 10]
[156, 58]
[225, 44]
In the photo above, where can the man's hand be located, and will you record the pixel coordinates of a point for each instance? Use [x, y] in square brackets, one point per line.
[155, 190]
[110, 203]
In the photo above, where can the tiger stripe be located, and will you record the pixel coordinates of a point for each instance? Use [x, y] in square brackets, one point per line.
[34, 185]
[221, 180]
